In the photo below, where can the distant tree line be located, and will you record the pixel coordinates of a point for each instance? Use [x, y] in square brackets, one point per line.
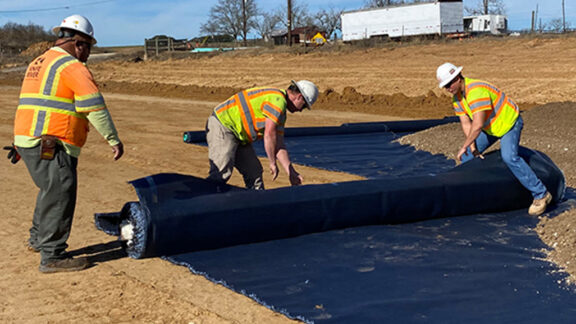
[14, 38]
[240, 17]
[237, 18]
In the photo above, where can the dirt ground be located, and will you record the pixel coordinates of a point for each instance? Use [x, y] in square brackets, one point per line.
[154, 101]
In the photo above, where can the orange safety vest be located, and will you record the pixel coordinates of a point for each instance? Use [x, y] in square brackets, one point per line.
[245, 113]
[57, 93]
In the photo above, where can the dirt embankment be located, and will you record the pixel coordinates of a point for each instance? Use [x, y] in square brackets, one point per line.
[428, 106]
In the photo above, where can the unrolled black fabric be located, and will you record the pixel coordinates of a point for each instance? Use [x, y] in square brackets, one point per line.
[389, 249]
[179, 213]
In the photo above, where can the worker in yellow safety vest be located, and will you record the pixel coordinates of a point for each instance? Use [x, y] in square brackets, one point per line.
[58, 100]
[250, 115]
[486, 115]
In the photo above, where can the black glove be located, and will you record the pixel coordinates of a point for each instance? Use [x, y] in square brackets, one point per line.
[13, 155]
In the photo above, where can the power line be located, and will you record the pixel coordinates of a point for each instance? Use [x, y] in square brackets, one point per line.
[56, 8]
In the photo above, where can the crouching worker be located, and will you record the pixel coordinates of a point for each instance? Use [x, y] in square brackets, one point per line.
[487, 115]
[58, 100]
[250, 115]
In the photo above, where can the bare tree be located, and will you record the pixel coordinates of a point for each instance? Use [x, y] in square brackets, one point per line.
[14, 38]
[558, 25]
[266, 23]
[377, 3]
[300, 15]
[232, 17]
[486, 7]
[329, 20]
[385, 3]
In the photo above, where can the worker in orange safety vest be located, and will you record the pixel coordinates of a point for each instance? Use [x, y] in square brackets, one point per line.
[250, 115]
[58, 101]
[487, 115]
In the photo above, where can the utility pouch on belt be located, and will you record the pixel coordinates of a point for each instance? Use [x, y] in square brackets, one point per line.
[48, 147]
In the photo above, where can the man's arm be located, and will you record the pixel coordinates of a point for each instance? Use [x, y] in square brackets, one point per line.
[271, 146]
[102, 121]
[284, 159]
[89, 101]
[472, 129]
[276, 151]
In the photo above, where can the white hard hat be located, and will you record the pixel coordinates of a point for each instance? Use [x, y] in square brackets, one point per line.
[308, 90]
[77, 23]
[446, 73]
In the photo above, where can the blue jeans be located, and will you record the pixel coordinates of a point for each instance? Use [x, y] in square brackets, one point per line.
[509, 149]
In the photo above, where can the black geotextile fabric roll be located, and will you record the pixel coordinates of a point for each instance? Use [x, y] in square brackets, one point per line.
[179, 213]
[402, 126]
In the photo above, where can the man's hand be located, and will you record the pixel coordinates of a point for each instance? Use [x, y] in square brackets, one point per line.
[478, 154]
[475, 153]
[461, 152]
[118, 150]
[13, 155]
[273, 170]
[295, 177]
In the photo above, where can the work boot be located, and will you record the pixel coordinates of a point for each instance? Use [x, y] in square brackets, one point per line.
[538, 206]
[64, 265]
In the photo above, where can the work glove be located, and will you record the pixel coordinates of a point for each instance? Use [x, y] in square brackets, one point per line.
[13, 155]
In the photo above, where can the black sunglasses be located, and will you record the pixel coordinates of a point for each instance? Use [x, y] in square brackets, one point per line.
[449, 84]
[83, 43]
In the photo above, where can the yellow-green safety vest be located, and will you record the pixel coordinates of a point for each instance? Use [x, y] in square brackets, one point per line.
[245, 113]
[480, 95]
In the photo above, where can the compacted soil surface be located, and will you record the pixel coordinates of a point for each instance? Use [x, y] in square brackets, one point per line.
[154, 101]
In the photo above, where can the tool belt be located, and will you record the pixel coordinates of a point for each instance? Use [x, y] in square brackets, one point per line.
[48, 147]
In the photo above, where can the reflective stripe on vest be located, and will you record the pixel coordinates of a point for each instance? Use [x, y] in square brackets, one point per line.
[53, 76]
[44, 108]
[245, 113]
[482, 96]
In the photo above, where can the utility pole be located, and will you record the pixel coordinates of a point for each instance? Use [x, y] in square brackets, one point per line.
[485, 7]
[533, 22]
[536, 15]
[289, 23]
[563, 18]
[244, 22]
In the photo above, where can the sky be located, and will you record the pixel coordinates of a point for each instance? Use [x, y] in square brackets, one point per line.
[129, 22]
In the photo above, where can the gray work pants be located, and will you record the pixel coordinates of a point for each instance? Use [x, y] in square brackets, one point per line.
[56, 200]
[226, 152]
